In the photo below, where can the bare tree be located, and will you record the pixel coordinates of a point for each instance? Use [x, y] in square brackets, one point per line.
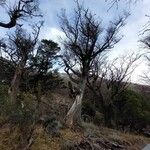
[18, 48]
[146, 42]
[113, 3]
[108, 80]
[85, 39]
[20, 10]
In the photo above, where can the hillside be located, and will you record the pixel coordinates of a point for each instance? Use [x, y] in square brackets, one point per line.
[89, 138]
[56, 136]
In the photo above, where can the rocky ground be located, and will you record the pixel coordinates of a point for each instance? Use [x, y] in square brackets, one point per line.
[50, 133]
[90, 137]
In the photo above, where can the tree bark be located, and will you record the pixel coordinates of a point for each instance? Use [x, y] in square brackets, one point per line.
[10, 24]
[73, 117]
[14, 87]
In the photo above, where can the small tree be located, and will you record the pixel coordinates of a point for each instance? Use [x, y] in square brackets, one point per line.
[146, 42]
[85, 40]
[135, 110]
[39, 77]
[18, 48]
[108, 81]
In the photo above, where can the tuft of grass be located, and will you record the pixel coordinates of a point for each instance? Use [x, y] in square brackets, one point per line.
[43, 141]
[9, 139]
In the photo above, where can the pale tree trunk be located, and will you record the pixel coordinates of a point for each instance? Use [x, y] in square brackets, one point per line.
[13, 91]
[14, 88]
[73, 117]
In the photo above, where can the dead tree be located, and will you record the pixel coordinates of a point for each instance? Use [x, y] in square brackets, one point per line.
[20, 10]
[146, 42]
[84, 40]
[18, 48]
[113, 3]
[108, 80]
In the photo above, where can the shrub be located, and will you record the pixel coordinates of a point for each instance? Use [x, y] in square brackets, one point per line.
[88, 111]
[4, 100]
[98, 119]
[23, 113]
[21, 116]
[133, 113]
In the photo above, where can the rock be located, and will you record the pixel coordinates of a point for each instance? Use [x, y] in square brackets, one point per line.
[95, 143]
[146, 132]
[51, 125]
[118, 146]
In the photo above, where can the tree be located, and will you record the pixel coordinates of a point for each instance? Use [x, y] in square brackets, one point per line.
[108, 81]
[39, 77]
[18, 49]
[116, 2]
[7, 72]
[85, 40]
[146, 42]
[134, 114]
[20, 10]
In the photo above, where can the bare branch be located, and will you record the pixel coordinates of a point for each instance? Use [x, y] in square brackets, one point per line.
[115, 76]
[83, 39]
[21, 10]
[113, 3]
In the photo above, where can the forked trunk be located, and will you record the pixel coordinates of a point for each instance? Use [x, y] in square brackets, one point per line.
[73, 117]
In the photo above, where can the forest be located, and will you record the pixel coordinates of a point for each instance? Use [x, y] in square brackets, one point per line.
[79, 91]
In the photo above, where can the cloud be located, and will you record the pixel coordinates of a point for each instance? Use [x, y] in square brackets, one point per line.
[51, 30]
[52, 33]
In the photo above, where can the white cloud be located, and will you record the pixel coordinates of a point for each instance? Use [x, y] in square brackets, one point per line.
[128, 44]
[52, 33]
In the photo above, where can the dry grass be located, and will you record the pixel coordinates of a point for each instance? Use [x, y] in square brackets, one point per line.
[131, 141]
[44, 142]
[9, 140]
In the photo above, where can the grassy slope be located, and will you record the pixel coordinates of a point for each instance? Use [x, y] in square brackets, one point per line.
[42, 141]
[11, 138]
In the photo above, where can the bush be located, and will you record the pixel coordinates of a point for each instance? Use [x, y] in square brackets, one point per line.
[133, 113]
[88, 111]
[4, 100]
[98, 119]
[23, 113]
[21, 116]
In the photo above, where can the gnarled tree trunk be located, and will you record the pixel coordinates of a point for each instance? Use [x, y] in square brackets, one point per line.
[73, 117]
[14, 87]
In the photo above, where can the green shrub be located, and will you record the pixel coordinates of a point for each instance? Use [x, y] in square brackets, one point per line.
[98, 119]
[4, 99]
[88, 110]
[133, 111]
[22, 113]
[24, 110]
[21, 116]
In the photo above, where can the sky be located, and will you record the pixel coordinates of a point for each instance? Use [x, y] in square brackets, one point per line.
[131, 31]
